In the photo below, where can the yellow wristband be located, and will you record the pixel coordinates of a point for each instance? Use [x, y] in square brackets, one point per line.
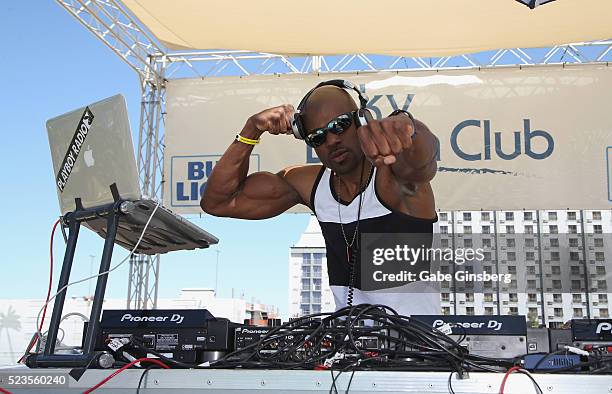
[246, 140]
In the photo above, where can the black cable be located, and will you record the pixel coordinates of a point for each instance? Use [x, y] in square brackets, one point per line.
[450, 383]
[147, 369]
[348, 387]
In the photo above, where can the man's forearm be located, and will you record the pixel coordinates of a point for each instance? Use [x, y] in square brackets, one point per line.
[418, 164]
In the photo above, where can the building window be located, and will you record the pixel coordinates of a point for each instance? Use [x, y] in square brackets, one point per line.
[511, 256]
[529, 242]
[574, 256]
[532, 313]
[316, 297]
[510, 229]
[468, 243]
[467, 229]
[603, 313]
[556, 284]
[305, 284]
[573, 242]
[552, 215]
[445, 297]
[316, 284]
[305, 297]
[596, 215]
[558, 312]
[509, 215]
[488, 310]
[467, 216]
[575, 270]
[530, 256]
[317, 258]
[510, 242]
[577, 298]
[443, 229]
[446, 310]
[316, 271]
[528, 215]
[553, 229]
[486, 229]
[597, 229]
[599, 256]
[531, 270]
[572, 229]
[531, 283]
[305, 271]
[486, 242]
[603, 298]
[532, 297]
[554, 242]
[305, 309]
[578, 312]
[554, 256]
[513, 297]
[513, 310]
[528, 229]
[316, 309]
[601, 270]
[485, 216]
[576, 284]
[598, 242]
[443, 216]
[602, 285]
[469, 297]
[488, 297]
[556, 270]
[444, 243]
[557, 298]
[469, 310]
[571, 216]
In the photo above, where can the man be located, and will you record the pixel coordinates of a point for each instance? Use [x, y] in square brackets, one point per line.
[374, 179]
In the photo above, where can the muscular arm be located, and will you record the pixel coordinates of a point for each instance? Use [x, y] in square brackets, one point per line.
[230, 192]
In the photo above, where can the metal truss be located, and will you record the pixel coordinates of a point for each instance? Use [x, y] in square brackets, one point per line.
[115, 26]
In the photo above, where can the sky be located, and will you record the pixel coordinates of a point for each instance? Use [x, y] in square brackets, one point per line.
[52, 64]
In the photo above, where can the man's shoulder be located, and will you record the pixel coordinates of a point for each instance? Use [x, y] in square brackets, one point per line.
[302, 178]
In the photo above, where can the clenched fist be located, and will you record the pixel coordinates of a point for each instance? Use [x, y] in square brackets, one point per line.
[381, 141]
[275, 120]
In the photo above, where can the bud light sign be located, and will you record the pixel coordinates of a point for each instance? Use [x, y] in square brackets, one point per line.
[189, 174]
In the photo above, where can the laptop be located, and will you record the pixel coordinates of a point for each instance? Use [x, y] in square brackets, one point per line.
[91, 149]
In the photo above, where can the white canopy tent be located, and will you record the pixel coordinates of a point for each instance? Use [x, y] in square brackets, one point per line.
[390, 27]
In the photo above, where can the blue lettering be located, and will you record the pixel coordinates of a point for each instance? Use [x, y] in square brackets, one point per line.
[180, 192]
[537, 133]
[455, 135]
[517, 146]
[194, 170]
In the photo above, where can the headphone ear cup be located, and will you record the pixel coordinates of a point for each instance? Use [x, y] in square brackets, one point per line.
[296, 126]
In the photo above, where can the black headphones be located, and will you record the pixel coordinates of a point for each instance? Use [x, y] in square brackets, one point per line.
[297, 124]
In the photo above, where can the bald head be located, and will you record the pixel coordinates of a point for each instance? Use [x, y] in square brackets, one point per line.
[324, 104]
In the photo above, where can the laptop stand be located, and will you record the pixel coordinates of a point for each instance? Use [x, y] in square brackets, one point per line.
[89, 358]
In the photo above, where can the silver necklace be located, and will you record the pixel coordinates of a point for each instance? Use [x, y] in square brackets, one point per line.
[349, 245]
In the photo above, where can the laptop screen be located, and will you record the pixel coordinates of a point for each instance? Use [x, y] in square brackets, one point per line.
[91, 148]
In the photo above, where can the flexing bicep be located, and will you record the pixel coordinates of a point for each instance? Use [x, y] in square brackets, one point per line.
[262, 195]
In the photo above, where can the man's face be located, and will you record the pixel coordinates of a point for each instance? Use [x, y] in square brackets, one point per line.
[340, 152]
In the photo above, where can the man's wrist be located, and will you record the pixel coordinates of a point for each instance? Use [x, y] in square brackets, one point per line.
[250, 131]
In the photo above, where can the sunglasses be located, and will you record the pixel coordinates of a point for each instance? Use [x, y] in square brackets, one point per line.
[337, 125]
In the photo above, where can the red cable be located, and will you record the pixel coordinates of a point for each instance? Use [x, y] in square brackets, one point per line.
[42, 320]
[503, 384]
[4, 391]
[126, 366]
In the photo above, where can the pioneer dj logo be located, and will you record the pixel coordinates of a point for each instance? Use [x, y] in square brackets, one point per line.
[491, 324]
[252, 330]
[603, 327]
[175, 318]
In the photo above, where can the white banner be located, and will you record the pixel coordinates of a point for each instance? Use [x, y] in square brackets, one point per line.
[531, 138]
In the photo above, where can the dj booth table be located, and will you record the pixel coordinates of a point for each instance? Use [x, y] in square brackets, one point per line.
[178, 381]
